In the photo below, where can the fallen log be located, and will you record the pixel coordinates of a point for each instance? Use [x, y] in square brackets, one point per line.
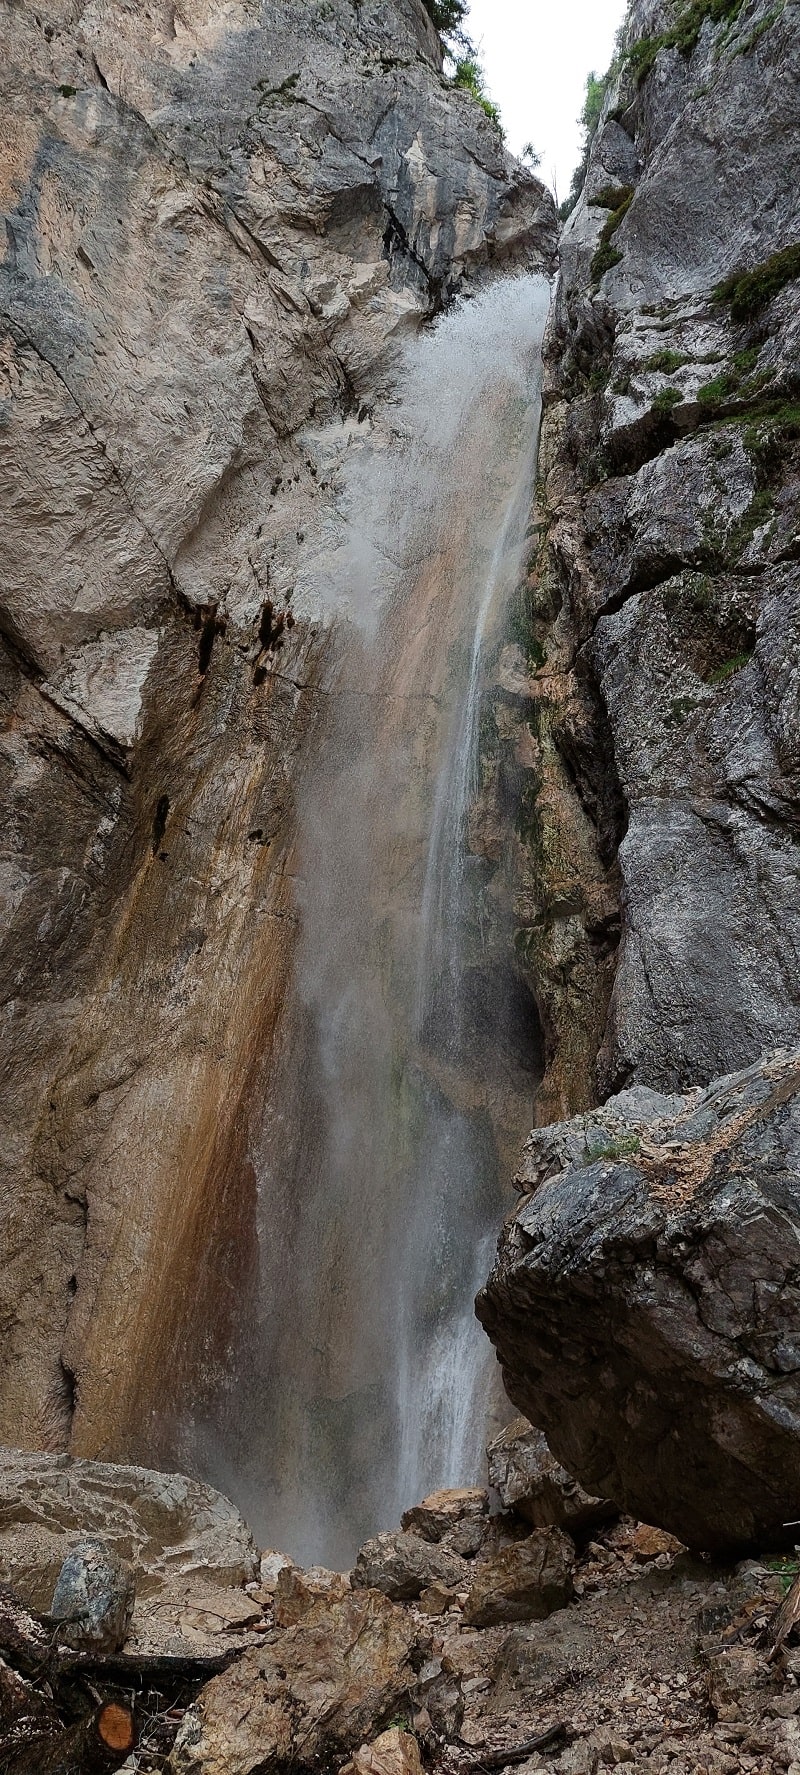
[513, 1753]
[95, 1746]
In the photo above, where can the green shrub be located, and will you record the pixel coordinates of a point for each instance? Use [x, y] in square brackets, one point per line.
[447, 16]
[469, 76]
[750, 291]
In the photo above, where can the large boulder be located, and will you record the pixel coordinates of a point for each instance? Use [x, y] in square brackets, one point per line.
[166, 1526]
[314, 1691]
[529, 1479]
[524, 1582]
[645, 1304]
[403, 1565]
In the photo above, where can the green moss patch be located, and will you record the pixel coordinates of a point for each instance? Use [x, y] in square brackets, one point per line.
[748, 292]
[607, 255]
[683, 35]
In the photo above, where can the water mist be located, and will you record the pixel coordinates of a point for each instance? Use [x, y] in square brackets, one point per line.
[406, 1073]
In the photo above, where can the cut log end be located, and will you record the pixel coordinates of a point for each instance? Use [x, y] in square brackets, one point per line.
[115, 1727]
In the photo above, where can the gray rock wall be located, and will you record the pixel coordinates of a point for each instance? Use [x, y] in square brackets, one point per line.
[662, 856]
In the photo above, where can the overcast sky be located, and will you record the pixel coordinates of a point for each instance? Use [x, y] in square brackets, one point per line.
[537, 54]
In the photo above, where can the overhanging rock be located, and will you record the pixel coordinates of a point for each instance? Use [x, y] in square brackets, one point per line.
[645, 1303]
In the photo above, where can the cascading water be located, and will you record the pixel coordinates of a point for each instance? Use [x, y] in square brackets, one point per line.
[405, 1072]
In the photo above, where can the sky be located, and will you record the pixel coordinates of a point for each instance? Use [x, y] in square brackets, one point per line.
[536, 55]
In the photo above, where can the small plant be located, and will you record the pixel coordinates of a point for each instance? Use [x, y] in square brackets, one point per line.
[787, 1568]
[469, 76]
[68, 92]
[750, 291]
[728, 668]
[666, 399]
[666, 361]
[603, 1145]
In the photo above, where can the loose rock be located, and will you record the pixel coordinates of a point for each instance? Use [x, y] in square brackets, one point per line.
[93, 1598]
[530, 1480]
[403, 1565]
[313, 1691]
[524, 1582]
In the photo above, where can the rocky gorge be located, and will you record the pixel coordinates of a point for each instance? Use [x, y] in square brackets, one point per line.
[229, 227]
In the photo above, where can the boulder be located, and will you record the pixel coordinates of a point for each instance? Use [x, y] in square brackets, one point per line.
[166, 1526]
[393, 1753]
[524, 1582]
[529, 1479]
[314, 1691]
[93, 1598]
[645, 1305]
[402, 1565]
[296, 1591]
[442, 1511]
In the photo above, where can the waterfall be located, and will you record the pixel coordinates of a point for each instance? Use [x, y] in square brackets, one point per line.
[406, 1067]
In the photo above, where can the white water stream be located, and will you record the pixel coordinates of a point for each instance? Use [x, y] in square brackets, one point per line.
[407, 1070]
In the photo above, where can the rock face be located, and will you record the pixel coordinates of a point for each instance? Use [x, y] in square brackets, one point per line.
[658, 673]
[313, 1691]
[219, 222]
[645, 1304]
[529, 1479]
[166, 1526]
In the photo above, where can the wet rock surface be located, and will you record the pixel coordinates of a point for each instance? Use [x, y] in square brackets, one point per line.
[221, 224]
[645, 1309]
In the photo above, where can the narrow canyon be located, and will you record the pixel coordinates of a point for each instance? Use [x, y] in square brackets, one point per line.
[400, 898]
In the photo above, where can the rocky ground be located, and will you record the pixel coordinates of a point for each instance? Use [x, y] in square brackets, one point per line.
[468, 1640]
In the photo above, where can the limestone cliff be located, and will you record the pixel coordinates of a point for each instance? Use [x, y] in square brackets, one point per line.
[220, 216]
[659, 905]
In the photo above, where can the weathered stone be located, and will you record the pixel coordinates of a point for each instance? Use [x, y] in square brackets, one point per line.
[445, 1510]
[530, 1480]
[316, 1690]
[436, 1599]
[645, 1306]
[93, 1598]
[296, 1591]
[271, 1565]
[165, 1526]
[392, 1753]
[525, 1582]
[403, 1565]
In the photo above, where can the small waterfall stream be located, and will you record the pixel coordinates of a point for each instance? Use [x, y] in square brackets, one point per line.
[406, 1067]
